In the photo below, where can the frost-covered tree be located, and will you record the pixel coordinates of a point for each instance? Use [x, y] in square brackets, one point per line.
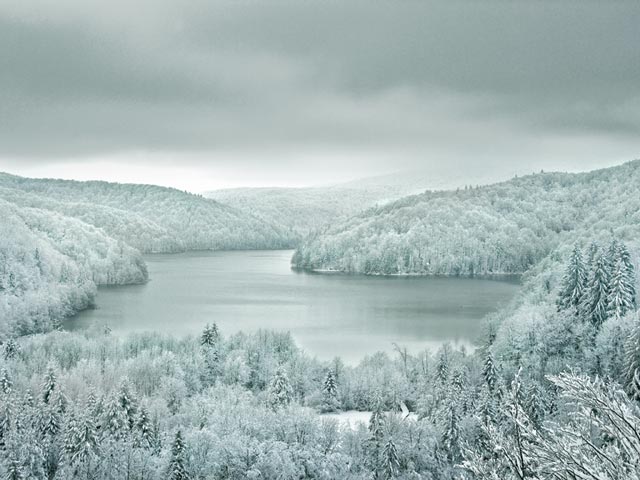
[330, 392]
[210, 336]
[49, 384]
[451, 435]
[5, 381]
[391, 461]
[177, 469]
[376, 436]
[621, 298]
[573, 282]
[82, 443]
[128, 402]
[442, 367]
[489, 372]
[280, 392]
[11, 349]
[115, 421]
[595, 301]
[145, 437]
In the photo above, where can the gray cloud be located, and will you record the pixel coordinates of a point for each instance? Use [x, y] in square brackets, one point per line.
[412, 81]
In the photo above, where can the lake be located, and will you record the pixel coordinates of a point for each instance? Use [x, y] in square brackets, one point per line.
[328, 315]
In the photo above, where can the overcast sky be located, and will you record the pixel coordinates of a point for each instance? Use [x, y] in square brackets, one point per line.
[207, 94]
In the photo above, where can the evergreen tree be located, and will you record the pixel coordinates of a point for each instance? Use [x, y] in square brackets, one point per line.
[49, 384]
[177, 469]
[49, 421]
[5, 382]
[442, 367]
[621, 293]
[144, 429]
[573, 282]
[83, 445]
[210, 336]
[489, 372]
[451, 435]
[11, 349]
[391, 462]
[376, 435]
[6, 419]
[280, 392]
[330, 393]
[128, 402]
[115, 421]
[594, 305]
[628, 272]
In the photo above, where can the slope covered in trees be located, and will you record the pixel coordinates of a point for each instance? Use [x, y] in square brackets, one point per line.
[501, 228]
[301, 211]
[50, 266]
[150, 218]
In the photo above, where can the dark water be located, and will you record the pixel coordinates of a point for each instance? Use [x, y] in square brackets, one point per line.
[328, 315]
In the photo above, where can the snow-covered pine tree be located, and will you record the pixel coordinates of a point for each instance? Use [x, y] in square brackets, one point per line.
[5, 382]
[280, 392]
[49, 384]
[594, 305]
[128, 402]
[49, 421]
[629, 272]
[115, 421]
[573, 282]
[144, 428]
[451, 435]
[621, 293]
[330, 392]
[490, 373]
[11, 349]
[210, 336]
[442, 367]
[86, 445]
[390, 460]
[376, 436]
[7, 421]
[177, 469]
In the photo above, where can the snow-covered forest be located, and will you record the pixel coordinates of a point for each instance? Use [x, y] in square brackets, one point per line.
[60, 239]
[551, 392]
[146, 217]
[502, 228]
[302, 211]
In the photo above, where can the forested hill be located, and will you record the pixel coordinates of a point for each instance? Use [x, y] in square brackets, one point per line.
[60, 239]
[50, 265]
[500, 228]
[147, 217]
[301, 211]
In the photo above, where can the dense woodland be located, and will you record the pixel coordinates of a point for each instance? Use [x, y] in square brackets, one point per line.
[147, 217]
[551, 392]
[60, 239]
[502, 228]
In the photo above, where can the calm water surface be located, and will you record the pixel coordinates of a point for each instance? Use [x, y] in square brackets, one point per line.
[328, 315]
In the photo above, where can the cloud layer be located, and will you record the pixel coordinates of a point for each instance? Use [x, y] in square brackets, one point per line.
[276, 86]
